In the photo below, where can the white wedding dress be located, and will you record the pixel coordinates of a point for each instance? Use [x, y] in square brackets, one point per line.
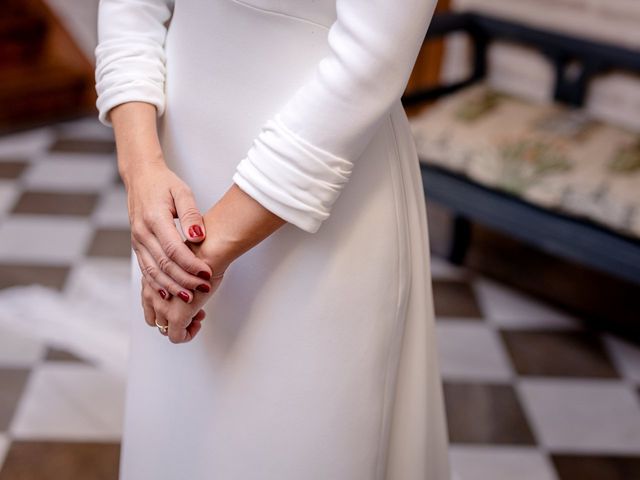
[317, 359]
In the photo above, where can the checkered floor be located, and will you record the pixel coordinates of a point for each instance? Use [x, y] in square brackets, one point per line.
[531, 393]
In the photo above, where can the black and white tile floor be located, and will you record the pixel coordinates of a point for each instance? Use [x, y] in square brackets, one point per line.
[531, 393]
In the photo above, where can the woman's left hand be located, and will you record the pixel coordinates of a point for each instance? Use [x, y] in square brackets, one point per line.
[183, 319]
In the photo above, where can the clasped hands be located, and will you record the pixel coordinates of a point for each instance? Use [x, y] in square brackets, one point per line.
[178, 276]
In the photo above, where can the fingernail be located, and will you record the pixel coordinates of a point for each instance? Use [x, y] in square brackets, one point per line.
[184, 296]
[162, 293]
[195, 231]
[204, 275]
[203, 288]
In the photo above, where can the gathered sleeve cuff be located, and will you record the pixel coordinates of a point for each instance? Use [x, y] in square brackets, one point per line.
[130, 56]
[303, 156]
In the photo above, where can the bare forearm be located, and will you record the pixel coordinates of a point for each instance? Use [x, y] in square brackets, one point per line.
[155, 197]
[134, 125]
[236, 223]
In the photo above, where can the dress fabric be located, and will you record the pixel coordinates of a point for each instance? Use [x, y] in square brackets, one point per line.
[317, 358]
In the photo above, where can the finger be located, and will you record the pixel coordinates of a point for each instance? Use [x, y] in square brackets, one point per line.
[199, 316]
[141, 236]
[160, 309]
[193, 329]
[194, 326]
[147, 304]
[177, 329]
[178, 317]
[173, 270]
[162, 291]
[151, 270]
[164, 229]
[188, 214]
[162, 322]
[183, 330]
[155, 286]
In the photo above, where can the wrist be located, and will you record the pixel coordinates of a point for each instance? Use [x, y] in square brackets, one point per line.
[219, 248]
[132, 166]
[235, 224]
[137, 142]
[217, 263]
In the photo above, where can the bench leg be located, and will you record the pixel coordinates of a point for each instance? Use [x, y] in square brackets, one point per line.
[460, 239]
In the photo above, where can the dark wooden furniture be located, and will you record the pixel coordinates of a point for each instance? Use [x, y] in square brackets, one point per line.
[576, 61]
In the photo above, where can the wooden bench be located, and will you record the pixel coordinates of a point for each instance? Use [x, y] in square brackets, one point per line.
[589, 239]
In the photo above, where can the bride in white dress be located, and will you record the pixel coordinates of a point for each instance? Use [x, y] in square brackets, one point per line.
[276, 127]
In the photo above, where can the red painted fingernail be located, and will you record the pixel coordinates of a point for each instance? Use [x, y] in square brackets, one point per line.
[162, 293]
[204, 275]
[184, 296]
[203, 288]
[195, 231]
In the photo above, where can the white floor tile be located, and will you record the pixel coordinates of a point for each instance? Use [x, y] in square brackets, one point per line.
[442, 269]
[18, 349]
[111, 210]
[43, 238]
[68, 174]
[626, 356]
[509, 308]
[500, 463]
[114, 270]
[471, 350]
[583, 415]
[29, 143]
[70, 401]
[8, 195]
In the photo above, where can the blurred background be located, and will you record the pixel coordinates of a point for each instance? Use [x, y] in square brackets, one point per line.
[526, 116]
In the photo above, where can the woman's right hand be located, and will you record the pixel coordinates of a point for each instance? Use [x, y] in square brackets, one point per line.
[155, 196]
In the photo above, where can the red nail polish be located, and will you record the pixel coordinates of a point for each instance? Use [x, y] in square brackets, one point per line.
[203, 288]
[184, 296]
[162, 293]
[204, 275]
[195, 231]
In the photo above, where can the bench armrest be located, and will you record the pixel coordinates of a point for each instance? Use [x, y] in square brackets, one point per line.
[441, 25]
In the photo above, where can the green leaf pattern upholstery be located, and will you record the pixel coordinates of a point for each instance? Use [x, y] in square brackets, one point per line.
[551, 155]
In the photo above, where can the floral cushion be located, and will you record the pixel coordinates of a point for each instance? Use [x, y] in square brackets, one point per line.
[547, 154]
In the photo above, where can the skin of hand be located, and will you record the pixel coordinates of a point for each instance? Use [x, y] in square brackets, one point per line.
[155, 196]
[184, 319]
[235, 224]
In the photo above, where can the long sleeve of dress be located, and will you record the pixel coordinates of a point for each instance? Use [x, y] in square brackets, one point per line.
[130, 56]
[304, 154]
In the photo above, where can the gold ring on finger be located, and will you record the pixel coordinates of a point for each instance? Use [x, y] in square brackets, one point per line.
[162, 328]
